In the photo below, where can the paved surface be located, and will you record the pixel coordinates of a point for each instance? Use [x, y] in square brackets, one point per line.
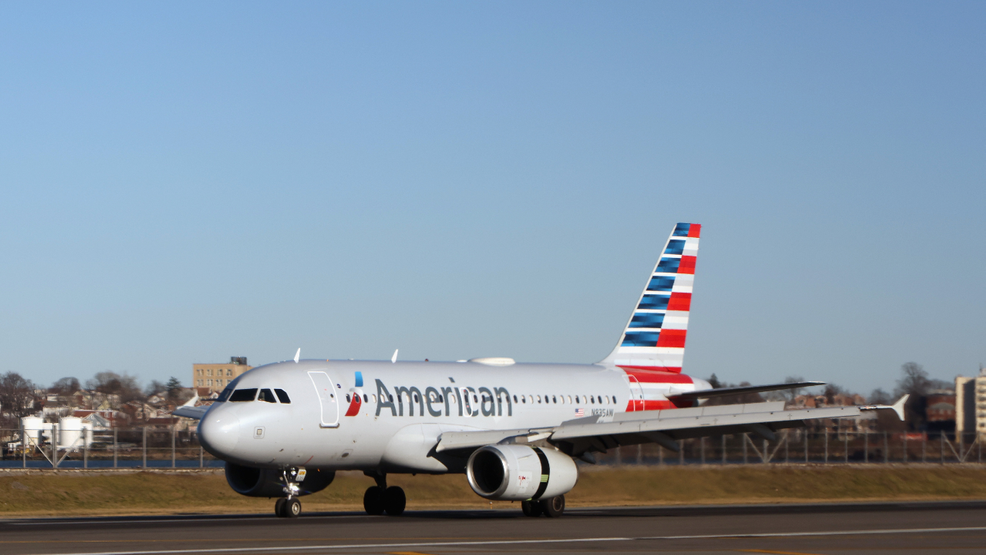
[955, 528]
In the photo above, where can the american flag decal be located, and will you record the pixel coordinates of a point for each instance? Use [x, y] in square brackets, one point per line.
[579, 412]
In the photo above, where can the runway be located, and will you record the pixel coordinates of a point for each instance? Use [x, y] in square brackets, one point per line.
[958, 527]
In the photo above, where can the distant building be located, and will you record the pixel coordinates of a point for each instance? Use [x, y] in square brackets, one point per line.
[941, 406]
[214, 377]
[970, 404]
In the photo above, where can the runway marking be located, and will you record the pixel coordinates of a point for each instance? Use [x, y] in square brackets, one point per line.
[775, 552]
[540, 540]
[406, 553]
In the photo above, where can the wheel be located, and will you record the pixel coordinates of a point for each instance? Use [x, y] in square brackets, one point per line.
[530, 508]
[394, 500]
[292, 507]
[279, 507]
[373, 500]
[553, 506]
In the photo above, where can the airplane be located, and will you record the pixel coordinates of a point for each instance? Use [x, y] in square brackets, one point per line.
[514, 429]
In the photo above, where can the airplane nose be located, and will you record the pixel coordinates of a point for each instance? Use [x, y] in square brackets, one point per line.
[219, 433]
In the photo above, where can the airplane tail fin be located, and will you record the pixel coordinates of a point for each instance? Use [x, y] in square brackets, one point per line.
[654, 338]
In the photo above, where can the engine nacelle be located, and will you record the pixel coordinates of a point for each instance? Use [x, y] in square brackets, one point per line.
[520, 472]
[265, 482]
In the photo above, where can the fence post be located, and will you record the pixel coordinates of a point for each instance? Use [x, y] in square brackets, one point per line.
[806, 445]
[886, 448]
[681, 452]
[845, 440]
[174, 430]
[701, 444]
[660, 455]
[905, 446]
[866, 446]
[941, 444]
[744, 447]
[143, 444]
[924, 447]
[23, 447]
[115, 430]
[54, 445]
[201, 457]
[85, 449]
[826, 432]
[640, 454]
[787, 451]
[723, 448]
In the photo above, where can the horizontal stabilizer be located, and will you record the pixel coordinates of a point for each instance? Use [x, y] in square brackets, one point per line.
[724, 391]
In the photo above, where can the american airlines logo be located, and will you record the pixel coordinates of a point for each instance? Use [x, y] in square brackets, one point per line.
[444, 401]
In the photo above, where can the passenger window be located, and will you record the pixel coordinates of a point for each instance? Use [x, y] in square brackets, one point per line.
[539, 399]
[365, 398]
[614, 399]
[569, 399]
[554, 399]
[282, 396]
[267, 396]
[600, 399]
[243, 395]
[515, 398]
[592, 400]
[347, 397]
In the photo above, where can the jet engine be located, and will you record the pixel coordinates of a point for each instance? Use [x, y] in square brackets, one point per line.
[520, 472]
[266, 482]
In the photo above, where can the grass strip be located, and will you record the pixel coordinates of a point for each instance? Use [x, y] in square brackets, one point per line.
[71, 493]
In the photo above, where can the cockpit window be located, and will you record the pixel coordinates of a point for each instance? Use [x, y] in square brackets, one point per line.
[283, 396]
[241, 395]
[225, 394]
[267, 395]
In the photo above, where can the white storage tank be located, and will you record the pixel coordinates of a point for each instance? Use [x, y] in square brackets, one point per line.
[70, 433]
[33, 427]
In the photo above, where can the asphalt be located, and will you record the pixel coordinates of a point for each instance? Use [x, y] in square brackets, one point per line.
[952, 527]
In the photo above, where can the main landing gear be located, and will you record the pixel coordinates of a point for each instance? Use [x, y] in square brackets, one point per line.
[290, 507]
[551, 507]
[379, 499]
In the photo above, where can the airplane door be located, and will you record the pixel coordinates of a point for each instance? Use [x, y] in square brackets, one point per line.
[636, 393]
[327, 399]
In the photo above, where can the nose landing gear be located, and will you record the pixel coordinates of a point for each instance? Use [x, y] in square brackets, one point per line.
[290, 507]
[379, 499]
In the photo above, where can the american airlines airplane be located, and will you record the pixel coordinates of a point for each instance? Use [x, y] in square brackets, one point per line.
[515, 430]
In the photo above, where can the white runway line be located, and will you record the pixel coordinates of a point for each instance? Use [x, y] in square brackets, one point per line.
[521, 542]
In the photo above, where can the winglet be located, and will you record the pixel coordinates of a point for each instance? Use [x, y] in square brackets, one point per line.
[899, 406]
[191, 402]
[394, 358]
[297, 355]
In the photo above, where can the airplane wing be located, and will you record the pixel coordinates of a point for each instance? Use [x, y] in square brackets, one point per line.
[724, 391]
[189, 410]
[584, 435]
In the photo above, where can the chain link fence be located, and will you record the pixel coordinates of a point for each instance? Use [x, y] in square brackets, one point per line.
[133, 447]
[154, 447]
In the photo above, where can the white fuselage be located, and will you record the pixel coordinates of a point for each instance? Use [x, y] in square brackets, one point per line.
[402, 409]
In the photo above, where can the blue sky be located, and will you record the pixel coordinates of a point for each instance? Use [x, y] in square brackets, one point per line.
[185, 182]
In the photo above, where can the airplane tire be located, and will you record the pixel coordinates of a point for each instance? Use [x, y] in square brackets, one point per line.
[530, 508]
[279, 507]
[292, 508]
[553, 507]
[394, 501]
[373, 500]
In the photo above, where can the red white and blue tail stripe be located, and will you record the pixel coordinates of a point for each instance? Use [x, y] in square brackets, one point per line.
[652, 347]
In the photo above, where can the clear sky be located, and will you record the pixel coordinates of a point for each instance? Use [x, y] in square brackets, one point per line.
[185, 182]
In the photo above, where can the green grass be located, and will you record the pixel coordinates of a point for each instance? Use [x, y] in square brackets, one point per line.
[51, 493]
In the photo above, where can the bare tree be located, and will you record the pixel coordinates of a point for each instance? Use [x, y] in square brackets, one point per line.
[16, 396]
[65, 386]
[914, 381]
[879, 397]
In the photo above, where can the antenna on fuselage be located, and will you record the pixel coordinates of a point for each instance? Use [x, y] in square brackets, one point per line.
[297, 355]
[394, 358]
